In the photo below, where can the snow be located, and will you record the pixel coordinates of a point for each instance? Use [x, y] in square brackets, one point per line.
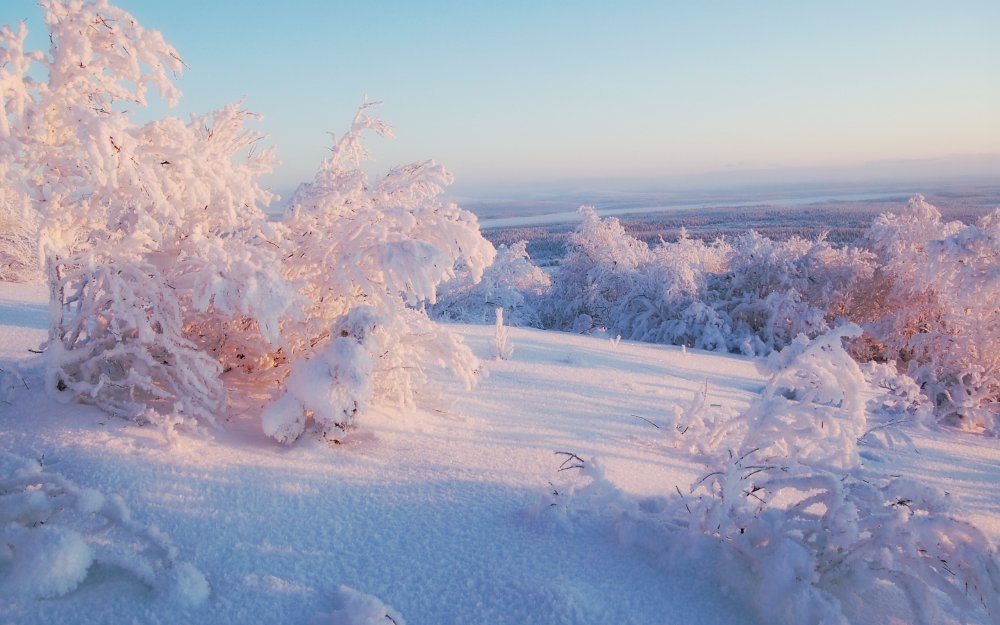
[357, 608]
[439, 514]
[24, 312]
[49, 561]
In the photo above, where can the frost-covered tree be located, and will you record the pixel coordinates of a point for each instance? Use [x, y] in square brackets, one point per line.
[937, 316]
[152, 234]
[366, 256]
[599, 270]
[749, 295]
[511, 282]
[19, 261]
[164, 272]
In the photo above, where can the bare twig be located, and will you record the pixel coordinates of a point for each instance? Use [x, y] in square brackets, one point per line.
[703, 478]
[570, 458]
[678, 489]
[881, 427]
[740, 459]
[646, 420]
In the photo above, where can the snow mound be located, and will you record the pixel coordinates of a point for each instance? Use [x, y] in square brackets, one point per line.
[42, 561]
[354, 607]
[53, 531]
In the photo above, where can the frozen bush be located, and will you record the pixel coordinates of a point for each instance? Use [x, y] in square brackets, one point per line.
[814, 542]
[792, 505]
[120, 345]
[599, 270]
[772, 291]
[750, 295]
[811, 408]
[19, 260]
[366, 257]
[794, 522]
[153, 239]
[512, 282]
[162, 269]
[937, 316]
[899, 405]
[504, 349]
[675, 306]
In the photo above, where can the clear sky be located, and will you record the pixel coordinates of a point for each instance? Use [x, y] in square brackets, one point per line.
[511, 94]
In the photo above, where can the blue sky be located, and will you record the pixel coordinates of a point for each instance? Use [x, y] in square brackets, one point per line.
[512, 95]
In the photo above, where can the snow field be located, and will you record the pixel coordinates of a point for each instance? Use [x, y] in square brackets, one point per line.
[437, 513]
[442, 514]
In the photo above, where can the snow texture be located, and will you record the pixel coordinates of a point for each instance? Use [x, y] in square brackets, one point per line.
[53, 531]
[353, 607]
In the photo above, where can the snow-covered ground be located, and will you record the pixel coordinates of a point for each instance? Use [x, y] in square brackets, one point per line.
[442, 514]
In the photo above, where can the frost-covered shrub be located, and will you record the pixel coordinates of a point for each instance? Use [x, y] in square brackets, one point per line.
[750, 295]
[691, 426]
[797, 515]
[810, 545]
[811, 408]
[775, 290]
[153, 237]
[52, 532]
[791, 520]
[162, 268]
[610, 279]
[511, 282]
[501, 342]
[365, 257]
[938, 317]
[365, 360]
[120, 345]
[599, 270]
[899, 405]
[19, 260]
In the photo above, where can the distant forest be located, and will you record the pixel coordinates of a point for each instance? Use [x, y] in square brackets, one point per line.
[844, 222]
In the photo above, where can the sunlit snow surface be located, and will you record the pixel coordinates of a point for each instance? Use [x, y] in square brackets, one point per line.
[440, 513]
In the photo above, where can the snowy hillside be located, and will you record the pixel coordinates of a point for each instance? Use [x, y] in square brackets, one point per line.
[445, 514]
[210, 413]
